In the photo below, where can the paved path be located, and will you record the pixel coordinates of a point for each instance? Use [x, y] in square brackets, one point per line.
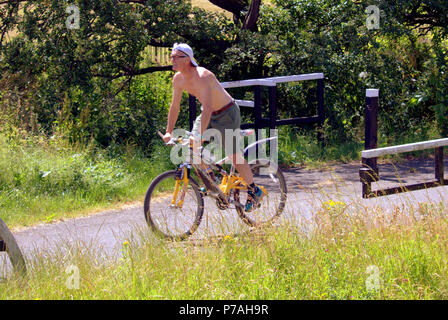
[307, 190]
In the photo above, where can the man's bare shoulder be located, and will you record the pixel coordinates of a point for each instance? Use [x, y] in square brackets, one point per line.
[205, 74]
[178, 80]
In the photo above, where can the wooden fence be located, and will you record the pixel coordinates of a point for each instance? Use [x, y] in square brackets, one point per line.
[158, 55]
[369, 171]
[271, 83]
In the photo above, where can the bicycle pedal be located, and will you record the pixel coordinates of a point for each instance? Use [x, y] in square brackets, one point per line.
[2, 246]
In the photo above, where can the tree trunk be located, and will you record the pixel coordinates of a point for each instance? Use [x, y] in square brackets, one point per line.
[250, 23]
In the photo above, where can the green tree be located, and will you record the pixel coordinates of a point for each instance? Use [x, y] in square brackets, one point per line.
[332, 37]
[68, 70]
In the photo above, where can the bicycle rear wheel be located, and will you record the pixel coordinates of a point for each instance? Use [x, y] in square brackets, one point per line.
[270, 178]
[170, 221]
[8, 243]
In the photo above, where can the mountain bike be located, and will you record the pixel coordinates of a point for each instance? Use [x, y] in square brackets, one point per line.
[9, 245]
[174, 201]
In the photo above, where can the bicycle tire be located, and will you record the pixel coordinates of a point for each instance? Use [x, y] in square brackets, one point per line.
[273, 204]
[12, 249]
[153, 212]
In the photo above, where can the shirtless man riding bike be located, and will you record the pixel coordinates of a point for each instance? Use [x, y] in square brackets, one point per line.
[219, 111]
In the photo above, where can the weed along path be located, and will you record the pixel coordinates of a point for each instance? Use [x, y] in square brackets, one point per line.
[309, 192]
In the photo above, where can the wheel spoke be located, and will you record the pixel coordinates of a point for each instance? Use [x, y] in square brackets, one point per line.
[173, 221]
[272, 202]
[8, 243]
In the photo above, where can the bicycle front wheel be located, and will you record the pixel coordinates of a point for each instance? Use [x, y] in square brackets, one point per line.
[270, 178]
[178, 219]
[8, 243]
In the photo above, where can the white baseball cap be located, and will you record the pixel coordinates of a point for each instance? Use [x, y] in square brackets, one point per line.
[185, 48]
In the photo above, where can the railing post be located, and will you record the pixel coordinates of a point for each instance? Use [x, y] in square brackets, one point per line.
[438, 164]
[192, 110]
[272, 116]
[272, 107]
[369, 171]
[257, 108]
[320, 109]
[257, 113]
[371, 125]
[366, 178]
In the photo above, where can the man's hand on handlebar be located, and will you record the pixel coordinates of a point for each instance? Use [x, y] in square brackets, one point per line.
[166, 137]
[195, 140]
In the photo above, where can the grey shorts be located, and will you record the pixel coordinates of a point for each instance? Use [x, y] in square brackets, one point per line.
[229, 119]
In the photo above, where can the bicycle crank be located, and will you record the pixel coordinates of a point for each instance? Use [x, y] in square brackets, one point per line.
[221, 204]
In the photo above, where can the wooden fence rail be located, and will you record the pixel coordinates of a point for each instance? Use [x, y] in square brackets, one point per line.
[271, 83]
[369, 171]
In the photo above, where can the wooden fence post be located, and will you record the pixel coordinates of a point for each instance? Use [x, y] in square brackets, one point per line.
[369, 171]
[192, 110]
[371, 124]
[438, 164]
[257, 113]
[320, 110]
[272, 107]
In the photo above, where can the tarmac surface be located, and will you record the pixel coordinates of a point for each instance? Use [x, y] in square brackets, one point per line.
[106, 232]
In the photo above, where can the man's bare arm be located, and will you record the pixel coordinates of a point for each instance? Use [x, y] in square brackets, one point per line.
[174, 108]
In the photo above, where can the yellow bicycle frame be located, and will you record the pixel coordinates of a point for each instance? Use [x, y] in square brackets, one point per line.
[231, 182]
[227, 184]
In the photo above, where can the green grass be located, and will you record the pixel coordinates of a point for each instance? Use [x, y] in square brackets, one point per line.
[42, 180]
[297, 149]
[300, 148]
[46, 179]
[365, 255]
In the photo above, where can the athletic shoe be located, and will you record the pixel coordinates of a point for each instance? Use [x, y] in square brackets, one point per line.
[253, 199]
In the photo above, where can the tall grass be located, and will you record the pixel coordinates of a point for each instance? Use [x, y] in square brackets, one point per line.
[368, 254]
[44, 179]
[300, 148]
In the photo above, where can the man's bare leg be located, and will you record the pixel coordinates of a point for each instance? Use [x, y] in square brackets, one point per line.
[243, 168]
[254, 193]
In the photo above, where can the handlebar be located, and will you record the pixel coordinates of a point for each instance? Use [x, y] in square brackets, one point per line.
[201, 150]
[173, 141]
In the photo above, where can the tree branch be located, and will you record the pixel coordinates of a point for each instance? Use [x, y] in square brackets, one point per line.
[250, 23]
[131, 72]
[233, 6]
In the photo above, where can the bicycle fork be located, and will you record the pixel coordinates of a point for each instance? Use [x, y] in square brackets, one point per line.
[181, 178]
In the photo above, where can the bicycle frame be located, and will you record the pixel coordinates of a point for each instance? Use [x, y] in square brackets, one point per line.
[228, 183]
